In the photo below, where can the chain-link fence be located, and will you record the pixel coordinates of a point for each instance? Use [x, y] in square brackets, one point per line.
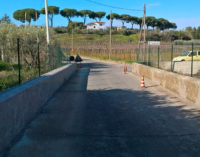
[182, 59]
[176, 57]
[23, 60]
[169, 57]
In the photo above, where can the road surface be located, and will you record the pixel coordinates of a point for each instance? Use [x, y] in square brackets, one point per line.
[101, 112]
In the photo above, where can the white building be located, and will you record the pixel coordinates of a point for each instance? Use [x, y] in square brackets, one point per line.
[96, 25]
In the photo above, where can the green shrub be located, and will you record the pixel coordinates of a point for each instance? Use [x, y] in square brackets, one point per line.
[74, 25]
[174, 37]
[186, 37]
[60, 30]
[3, 66]
[126, 32]
[185, 42]
[15, 66]
[154, 37]
[8, 82]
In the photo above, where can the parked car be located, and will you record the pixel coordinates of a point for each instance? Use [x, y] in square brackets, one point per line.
[187, 56]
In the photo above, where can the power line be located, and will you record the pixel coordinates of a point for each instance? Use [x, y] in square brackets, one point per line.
[114, 7]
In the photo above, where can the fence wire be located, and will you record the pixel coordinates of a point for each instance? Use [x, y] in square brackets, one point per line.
[168, 57]
[23, 60]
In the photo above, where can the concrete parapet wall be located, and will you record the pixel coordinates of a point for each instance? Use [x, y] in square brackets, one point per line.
[183, 67]
[20, 104]
[184, 86]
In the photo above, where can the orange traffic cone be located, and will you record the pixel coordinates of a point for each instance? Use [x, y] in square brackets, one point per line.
[125, 68]
[142, 82]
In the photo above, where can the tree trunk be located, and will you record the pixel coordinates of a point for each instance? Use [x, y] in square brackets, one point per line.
[52, 20]
[68, 20]
[84, 21]
[132, 25]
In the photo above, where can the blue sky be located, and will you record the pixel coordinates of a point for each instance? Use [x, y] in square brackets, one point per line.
[183, 12]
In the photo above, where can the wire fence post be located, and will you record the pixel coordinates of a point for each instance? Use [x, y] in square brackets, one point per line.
[158, 57]
[19, 61]
[172, 56]
[192, 60]
[38, 48]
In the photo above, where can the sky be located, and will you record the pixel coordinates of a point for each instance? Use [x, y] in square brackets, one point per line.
[183, 12]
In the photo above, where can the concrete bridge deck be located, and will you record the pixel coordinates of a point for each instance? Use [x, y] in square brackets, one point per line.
[101, 112]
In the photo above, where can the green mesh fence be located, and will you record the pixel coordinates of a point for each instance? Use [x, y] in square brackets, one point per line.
[35, 59]
[175, 58]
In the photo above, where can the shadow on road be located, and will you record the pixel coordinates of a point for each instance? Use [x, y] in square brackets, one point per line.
[78, 122]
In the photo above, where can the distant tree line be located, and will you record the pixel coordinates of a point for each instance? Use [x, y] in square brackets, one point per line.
[151, 21]
[193, 33]
[28, 15]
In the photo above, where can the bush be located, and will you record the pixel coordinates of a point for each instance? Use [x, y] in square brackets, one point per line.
[8, 82]
[126, 32]
[74, 25]
[186, 37]
[154, 37]
[3, 66]
[60, 30]
[174, 37]
[28, 36]
[185, 42]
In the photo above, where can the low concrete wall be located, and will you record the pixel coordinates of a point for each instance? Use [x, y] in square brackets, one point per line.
[184, 86]
[20, 104]
[182, 67]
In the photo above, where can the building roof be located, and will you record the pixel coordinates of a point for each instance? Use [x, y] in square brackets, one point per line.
[95, 22]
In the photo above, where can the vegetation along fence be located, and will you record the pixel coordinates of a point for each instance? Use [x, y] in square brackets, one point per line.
[170, 57]
[25, 55]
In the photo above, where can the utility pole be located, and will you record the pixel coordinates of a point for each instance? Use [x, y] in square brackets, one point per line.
[143, 25]
[110, 35]
[145, 31]
[47, 22]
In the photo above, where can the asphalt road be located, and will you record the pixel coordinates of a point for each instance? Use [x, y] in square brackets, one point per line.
[101, 112]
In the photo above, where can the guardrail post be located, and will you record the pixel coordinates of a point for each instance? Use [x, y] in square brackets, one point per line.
[19, 61]
[192, 60]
